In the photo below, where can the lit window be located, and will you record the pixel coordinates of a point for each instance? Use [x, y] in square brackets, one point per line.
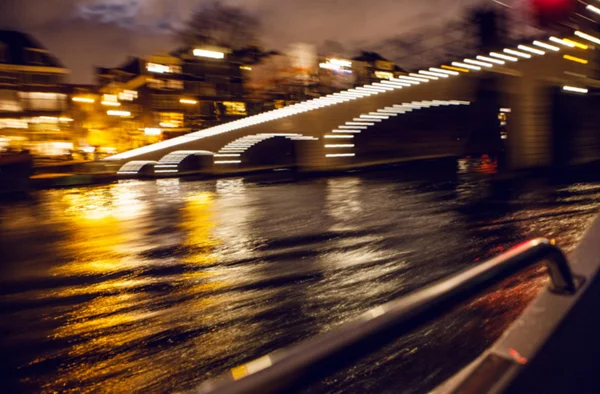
[44, 101]
[13, 124]
[384, 75]
[209, 54]
[170, 119]
[157, 68]
[128, 95]
[156, 83]
[174, 84]
[234, 108]
[162, 68]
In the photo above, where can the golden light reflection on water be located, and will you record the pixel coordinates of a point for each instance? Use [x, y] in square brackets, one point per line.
[199, 224]
[166, 285]
[121, 313]
[102, 223]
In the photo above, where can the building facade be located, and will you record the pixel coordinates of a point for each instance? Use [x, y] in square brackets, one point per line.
[34, 104]
[166, 95]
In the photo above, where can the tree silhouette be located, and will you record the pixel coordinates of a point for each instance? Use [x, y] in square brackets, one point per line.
[221, 25]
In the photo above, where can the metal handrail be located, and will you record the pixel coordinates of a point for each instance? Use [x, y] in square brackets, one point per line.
[324, 354]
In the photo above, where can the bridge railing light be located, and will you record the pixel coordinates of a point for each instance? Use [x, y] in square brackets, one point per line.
[595, 10]
[490, 60]
[395, 83]
[517, 53]
[546, 46]
[227, 161]
[423, 76]
[414, 79]
[503, 56]
[433, 74]
[575, 59]
[465, 65]
[478, 63]
[361, 123]
[370, 116]
[441, 71]
[351, 127]
[531, 50]
[576, 43]
[453, 68]
[588, 37]
[338, 146]
[562, 42]
[575, 89]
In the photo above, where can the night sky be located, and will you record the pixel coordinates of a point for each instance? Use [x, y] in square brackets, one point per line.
[84, 33]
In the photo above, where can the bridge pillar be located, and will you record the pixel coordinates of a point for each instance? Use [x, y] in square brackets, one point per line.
[529, 128]
[311, 155]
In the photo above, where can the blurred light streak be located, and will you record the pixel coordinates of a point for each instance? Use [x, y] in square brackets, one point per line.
[575, 59]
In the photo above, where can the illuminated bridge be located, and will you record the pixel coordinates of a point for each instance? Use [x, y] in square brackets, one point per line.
[542, 90]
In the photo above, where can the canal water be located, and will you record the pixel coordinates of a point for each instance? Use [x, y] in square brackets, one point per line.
[156, 286]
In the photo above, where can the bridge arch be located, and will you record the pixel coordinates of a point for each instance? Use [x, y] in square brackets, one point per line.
[137, 167]
[277, 149]
[343, 141]
[184, 161]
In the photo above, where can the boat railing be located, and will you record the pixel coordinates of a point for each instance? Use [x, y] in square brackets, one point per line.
[323, 355]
